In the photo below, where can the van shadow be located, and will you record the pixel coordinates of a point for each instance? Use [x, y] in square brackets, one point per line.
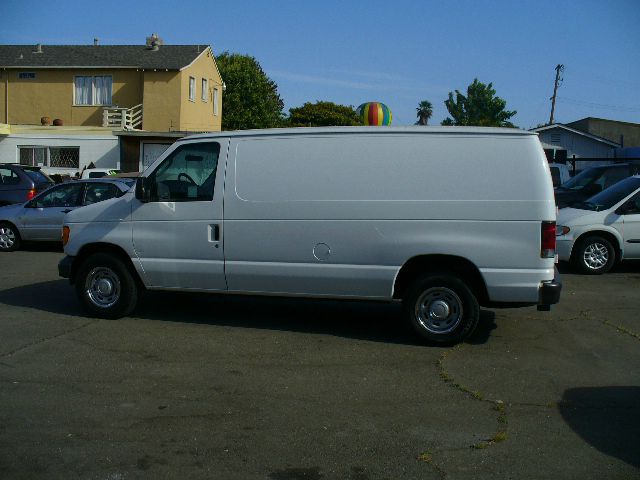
[372, 321]
[41, 246]
[607, 418]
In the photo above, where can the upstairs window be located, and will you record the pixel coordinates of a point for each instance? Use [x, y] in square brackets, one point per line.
[215, 101]
[192, 89]
[205, 90]
[93, 90]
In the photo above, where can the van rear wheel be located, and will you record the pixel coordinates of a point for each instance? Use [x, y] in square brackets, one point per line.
[105, 286]
[441, 308]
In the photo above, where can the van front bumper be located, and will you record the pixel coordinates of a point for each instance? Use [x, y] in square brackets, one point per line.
[549, 292]
[64, 267]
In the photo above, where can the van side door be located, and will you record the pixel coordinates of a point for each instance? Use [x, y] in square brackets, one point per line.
[177, 227]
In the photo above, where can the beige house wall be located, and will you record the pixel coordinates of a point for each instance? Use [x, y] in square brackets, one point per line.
[3, 94]
[161, 102]
[51, 93]
[198, 115]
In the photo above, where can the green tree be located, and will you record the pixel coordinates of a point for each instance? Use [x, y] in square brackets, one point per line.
[424, 112]
[479, 107]
[251, 98]
[323, 114]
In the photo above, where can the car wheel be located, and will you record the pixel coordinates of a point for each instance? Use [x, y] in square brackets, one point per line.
[105, 286]
[594, 255]
[441, 308]
[9, 237]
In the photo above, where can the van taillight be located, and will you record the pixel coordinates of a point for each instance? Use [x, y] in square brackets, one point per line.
[548, 240]
[31, 193]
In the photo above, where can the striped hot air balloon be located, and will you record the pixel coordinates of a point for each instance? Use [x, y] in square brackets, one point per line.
[374, 113]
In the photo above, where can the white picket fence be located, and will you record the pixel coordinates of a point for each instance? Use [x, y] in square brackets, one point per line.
[123, 118]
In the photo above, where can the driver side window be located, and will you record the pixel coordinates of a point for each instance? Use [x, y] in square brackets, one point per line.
[187, 175]
[633, 205]
[67, 195]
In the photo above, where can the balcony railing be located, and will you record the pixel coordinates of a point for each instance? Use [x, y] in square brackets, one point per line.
[123, 118]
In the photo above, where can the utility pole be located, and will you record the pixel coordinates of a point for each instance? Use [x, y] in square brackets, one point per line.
[559, 70]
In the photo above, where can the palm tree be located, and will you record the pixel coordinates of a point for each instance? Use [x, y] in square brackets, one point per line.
[424, 110]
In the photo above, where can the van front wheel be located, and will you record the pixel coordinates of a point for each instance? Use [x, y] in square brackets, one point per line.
[441, 308]
[106, 287]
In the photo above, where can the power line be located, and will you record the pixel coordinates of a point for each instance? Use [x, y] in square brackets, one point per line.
[584, 103]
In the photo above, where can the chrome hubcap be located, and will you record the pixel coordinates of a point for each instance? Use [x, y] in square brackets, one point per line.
[439, 310]
[7, 237]
[102, 287]
[596, 256]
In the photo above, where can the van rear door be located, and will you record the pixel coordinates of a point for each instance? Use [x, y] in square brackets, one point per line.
[177, 225]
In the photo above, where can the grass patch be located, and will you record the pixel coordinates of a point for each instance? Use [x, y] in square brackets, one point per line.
[426, 457]
[480, 446]
[500, 436]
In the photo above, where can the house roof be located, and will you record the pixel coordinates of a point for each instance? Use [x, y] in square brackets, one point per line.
[167, 57]
[598, 119]
[577, 132]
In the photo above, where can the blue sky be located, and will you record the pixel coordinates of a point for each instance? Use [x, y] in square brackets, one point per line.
[398, 53]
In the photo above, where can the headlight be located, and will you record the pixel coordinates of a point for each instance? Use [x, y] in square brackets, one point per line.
[562, 230]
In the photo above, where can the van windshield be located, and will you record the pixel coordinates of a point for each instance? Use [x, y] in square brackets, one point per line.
[611, 196]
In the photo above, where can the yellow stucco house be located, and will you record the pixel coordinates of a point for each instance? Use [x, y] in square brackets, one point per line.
[116, 106]
[151, 87]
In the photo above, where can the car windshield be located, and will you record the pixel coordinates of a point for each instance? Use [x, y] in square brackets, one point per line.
[611, 196]
[586, 177]
[37, 176]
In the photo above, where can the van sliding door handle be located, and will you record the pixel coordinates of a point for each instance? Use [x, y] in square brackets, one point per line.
[214, 232]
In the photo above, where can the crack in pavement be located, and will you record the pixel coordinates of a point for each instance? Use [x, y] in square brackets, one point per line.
[46, 339]
[621, 329]
[497, 405]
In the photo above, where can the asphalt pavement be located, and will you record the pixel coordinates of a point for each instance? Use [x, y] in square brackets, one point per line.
[225, 387]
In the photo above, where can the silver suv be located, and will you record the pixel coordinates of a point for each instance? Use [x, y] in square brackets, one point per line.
[19, 183]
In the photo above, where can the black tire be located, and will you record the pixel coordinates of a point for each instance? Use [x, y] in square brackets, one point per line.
[593, 255]
[105, 286]
[9, 237]
[441, 308]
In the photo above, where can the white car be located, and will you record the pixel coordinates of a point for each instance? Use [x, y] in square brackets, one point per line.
[98, 172]
[595, 234]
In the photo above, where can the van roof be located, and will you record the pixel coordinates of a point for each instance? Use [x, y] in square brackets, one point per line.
[489, 131]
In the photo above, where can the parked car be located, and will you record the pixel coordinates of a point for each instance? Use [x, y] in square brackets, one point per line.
[592, 181]
[41, 217]
[19, 183]
[559, 173]
[593, 235]
[380, 214]
[98, 172]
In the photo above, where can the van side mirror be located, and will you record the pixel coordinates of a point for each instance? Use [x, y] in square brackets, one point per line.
[143, 192]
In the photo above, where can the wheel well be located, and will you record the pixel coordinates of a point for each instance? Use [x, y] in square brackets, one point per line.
[459, 266]
[12, 225]
[601, 233]
[92, 248]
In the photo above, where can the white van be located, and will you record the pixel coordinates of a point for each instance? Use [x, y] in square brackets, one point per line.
[414, 214]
